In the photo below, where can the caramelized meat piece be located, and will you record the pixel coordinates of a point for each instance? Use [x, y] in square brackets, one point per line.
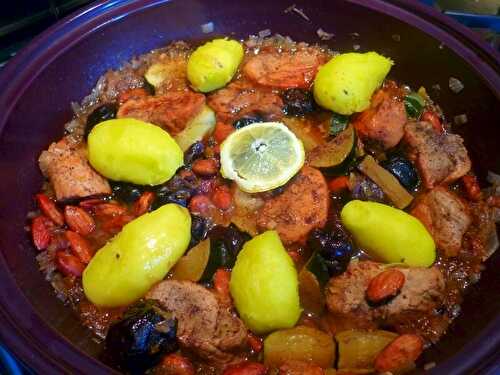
[422, 291]
[241, 99]
[301, 207]
[441, 158]
[285, 69]
[66, 166]
[205, 326]
[385, 119]
[446, 217]
[172, 111]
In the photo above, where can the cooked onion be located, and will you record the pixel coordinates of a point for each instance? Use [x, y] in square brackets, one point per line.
[323, 35]
[455, 85]
[207, 27]
[460, 119]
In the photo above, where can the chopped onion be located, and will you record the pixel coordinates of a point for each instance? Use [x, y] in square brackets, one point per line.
[460, 119]
[300, 12]
[264, 33]
[455, 85]
[429, 365]
[396, 37]
[207, 28]
[493, 178]
[323, 35]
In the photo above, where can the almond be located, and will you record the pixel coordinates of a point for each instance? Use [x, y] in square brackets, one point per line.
[79, 220]
[399, 354]
[385, 286]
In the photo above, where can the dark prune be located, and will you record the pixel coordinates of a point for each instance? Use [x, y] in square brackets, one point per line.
[403, 170]
[100, 114]
[225, 244]
[195, 151]
[366, 190]
[180, 197]
[144, 335]
[126, 192]
[298, 102]
[335, 249]
[245, 121]
[199, 229]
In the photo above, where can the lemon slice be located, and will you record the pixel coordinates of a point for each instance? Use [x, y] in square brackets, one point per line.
[261, 156]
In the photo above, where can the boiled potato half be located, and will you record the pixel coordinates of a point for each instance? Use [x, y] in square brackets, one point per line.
[138, 257]
[133, 151]
[389, 234]
[347, 82]
[264, 285]
[212, 65]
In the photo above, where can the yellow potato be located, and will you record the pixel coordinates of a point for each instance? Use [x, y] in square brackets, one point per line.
[212, 65]
[301, 344]
[346, 83]
[358, 348]
[264, 285]
[138, 257]
[389, 234]
[133, 151]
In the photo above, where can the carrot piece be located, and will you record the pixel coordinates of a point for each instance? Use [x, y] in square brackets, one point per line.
[222, 131]
[79, 246]
[472, 187]
[205, 167]
[50, 209]
[79, 220]
[221, 284]
[433, 118]
[255, 342]
[338, 184]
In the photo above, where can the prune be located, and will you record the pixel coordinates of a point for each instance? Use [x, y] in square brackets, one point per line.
[126, 192]
[144, 335]
[100, 114]
[245, 121]
[298, 102]
[225, 244]
[195, 151]
[180, 197]
[403, 170]
[366, 190]
[199, 229]
[335, 249]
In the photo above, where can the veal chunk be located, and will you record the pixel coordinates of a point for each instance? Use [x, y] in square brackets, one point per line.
[302, 207]
[287, 69]
[241, 98]
[205, 326]
[441, 158]
[385, 119]
[172, 110]
[446, 217]
[66, 166]
[422, 291]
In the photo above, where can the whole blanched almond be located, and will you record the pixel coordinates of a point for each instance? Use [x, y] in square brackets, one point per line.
[385, 286]
[399, 354]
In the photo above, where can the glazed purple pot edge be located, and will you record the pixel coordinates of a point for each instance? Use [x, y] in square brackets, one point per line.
[19, 73]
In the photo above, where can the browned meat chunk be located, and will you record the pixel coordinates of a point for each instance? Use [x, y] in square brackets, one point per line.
[441, 158]
[285, 69]
[205, 326]
[446, 217]
[385, 119]
[422, 291]
[65, 164]
[240, 99]
[301, 207]
[172, 111]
